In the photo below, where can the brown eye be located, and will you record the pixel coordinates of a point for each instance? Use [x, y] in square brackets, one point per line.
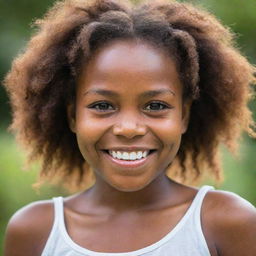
[156, 106]
[101, 106]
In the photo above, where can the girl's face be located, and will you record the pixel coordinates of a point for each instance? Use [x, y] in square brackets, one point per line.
[129, 115]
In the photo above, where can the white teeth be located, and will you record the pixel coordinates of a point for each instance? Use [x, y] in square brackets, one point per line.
[133, 156]
[139, 155]
[125, 156]
[129, 155]
[118, 154]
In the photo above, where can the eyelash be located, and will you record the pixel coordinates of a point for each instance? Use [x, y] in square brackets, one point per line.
[160, 103]
[97, 105]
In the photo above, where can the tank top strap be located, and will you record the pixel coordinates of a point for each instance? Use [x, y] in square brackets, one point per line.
[199, 198]
[56, 227]
[58, 211]
[195, 220]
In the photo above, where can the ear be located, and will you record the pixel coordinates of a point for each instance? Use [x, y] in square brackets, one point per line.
[71, 117]
[186, 106]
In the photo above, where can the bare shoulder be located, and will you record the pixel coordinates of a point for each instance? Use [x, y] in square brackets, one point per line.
[28, 229]
[230, 221]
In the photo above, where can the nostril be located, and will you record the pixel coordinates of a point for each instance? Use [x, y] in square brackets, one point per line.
[129, 129]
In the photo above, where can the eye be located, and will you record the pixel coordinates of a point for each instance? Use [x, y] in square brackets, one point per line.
[101, 106]
[156, 106]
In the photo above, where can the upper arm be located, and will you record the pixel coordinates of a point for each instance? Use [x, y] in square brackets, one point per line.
[232, 221]
[28, 230]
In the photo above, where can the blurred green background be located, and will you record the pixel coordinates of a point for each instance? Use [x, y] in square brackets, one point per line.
[15, 184]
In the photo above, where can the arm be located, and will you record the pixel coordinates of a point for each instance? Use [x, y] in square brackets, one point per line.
[232, 224]
[28, 230]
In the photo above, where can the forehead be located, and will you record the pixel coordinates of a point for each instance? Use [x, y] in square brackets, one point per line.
[130, 60]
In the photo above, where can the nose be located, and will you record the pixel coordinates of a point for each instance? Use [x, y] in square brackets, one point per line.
[129, 127]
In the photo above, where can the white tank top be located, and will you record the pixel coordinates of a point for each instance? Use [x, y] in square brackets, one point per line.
[185, 239]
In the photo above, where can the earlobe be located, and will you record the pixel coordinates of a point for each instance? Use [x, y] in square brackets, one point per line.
[71, 117]
[186, 115]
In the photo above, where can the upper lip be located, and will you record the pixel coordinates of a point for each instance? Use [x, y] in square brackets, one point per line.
[129, 149]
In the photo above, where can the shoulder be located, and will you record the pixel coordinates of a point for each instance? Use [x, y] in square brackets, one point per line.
[228, 208]
[29, 228]
[231, 223]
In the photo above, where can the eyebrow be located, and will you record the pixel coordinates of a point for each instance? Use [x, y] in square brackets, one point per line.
[101, 92]
[153, 93]
[146, 94]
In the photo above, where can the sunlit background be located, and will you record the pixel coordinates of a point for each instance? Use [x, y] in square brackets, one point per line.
[16, 185]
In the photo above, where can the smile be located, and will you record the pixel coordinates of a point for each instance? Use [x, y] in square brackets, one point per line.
[129, 158]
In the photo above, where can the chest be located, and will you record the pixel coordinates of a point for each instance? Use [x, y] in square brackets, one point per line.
[124, 232]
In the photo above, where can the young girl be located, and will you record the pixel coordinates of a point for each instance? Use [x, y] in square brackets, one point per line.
[131, 92]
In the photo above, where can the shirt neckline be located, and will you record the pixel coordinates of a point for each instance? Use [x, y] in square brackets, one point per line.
[201, 192]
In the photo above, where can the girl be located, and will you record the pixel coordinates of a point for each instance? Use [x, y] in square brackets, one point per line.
[131, 92]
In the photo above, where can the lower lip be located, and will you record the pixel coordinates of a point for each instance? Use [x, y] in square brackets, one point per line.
[127, 163]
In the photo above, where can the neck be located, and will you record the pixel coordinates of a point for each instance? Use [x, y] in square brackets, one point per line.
[154, 194]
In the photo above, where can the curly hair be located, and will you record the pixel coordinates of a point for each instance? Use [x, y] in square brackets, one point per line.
[214, 74]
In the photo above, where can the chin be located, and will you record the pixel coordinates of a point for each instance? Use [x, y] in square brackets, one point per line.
[129, 187]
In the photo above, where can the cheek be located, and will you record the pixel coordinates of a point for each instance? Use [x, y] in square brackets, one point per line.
[168, 131]
[88, 132]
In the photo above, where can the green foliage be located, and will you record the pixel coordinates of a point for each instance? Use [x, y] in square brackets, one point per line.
[16, 184]
[240, 172]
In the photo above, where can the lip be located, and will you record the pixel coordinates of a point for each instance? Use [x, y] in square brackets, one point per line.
[126, 163]
[129, 149]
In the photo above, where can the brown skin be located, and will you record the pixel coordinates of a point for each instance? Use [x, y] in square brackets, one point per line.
[140, 203]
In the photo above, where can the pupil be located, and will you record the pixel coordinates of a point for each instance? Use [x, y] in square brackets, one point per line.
[155, 106]
[103, 106]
